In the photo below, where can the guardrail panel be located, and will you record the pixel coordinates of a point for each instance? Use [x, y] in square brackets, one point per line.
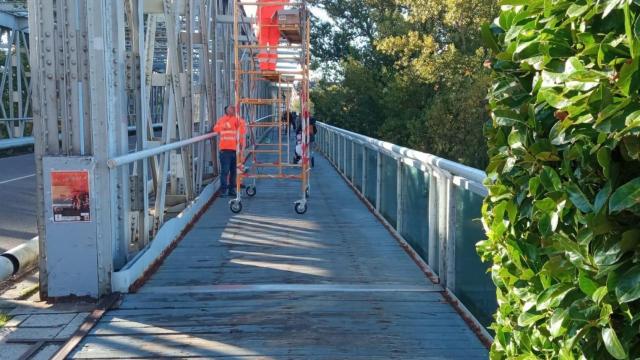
[388, 189]
[473, 284]
[348, 166]
[415, 205]
[371, 174]
[357, 166]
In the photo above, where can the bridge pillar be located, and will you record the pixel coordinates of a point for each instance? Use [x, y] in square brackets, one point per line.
[80, 121]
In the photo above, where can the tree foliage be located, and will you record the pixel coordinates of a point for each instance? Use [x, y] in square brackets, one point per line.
[407, 71]
[564, 179]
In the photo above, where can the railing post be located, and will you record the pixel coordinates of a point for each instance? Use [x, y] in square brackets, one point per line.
[451, 234]
[344, 155]
[399, 197]
[433, 220]
[333, 147]
[364, 170]
[353, 161]
[378, 179]
[446, 229]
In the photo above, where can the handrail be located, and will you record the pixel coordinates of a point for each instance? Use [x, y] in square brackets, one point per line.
[146, 153]
[17, 119]
[9, 143]
[453, 167]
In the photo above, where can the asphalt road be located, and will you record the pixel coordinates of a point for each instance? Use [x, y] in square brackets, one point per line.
[17, 200]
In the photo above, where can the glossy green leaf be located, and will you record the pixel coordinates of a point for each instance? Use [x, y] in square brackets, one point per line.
[578, 198]
[527, 319]
[628, 285]
[613, 345]
[550, 179]
[587, 285]
[625, 197]
[556, 327]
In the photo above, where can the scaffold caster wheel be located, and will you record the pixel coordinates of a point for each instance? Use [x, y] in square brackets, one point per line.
[300, 207]
[235, 206]
[250, 190]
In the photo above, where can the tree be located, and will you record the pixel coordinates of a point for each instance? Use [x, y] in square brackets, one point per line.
[402, 70]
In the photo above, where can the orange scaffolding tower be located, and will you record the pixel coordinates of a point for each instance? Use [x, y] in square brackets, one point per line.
[283, 39]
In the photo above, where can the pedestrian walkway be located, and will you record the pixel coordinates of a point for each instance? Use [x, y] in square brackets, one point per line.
[270, 284]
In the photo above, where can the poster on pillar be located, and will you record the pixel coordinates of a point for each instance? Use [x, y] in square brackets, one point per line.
[70, 196]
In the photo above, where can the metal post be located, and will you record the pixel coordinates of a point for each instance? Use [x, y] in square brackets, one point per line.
[378, 179]
[364, 170]
[344, 155]
[451, 235]
[353, 161]
[433, 220]
[399, 196]
[444, 216]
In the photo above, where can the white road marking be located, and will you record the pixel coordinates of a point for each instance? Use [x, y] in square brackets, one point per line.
[16, 179]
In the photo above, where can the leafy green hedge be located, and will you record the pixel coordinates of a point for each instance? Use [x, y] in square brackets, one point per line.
[563, 211]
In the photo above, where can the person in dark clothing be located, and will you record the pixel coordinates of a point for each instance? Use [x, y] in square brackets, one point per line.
[312, 138]
[293, 120]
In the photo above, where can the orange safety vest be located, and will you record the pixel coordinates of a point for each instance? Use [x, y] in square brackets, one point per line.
[228, 127]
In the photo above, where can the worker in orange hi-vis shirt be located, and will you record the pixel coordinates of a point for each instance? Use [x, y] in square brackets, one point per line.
[230, 128]
[269, 34]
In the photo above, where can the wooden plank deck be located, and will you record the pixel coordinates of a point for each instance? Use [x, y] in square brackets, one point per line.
[271, 284]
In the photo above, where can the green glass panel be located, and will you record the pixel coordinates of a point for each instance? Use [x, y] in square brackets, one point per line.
[340, 154]
[334, 147]
[371, 174]
[388, 187]
[415, 206]
[348, 165]
[473, 283]
[357, 178]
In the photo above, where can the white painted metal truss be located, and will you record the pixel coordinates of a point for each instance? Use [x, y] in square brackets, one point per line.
[103, 67]
[15, 75]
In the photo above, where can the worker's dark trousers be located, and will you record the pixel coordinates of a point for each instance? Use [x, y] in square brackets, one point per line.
[227, 169]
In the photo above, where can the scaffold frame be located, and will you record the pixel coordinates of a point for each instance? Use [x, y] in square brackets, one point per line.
[284, 82]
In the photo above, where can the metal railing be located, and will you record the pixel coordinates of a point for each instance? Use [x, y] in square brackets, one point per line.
[155, 200]
[432, 203]
[13, 131]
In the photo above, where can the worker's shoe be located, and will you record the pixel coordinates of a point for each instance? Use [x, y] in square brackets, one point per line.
[232, 194]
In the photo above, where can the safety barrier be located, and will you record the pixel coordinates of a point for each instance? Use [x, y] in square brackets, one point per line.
[432, 203]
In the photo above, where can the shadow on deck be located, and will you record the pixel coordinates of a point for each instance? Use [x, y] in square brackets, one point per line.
[271, 284]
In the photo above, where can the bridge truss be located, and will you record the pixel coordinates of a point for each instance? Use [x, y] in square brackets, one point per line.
[102, 71]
